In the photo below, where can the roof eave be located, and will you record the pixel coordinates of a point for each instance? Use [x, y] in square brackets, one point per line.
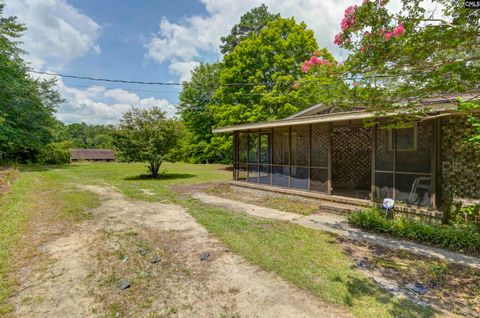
[335, 117]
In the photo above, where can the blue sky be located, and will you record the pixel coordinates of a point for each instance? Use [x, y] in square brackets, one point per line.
[148, 40]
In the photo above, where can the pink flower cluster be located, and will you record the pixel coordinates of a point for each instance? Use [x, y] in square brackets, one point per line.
[348, 17]
[397, 32]
[347, 21]
[338, 39]
[314, 60]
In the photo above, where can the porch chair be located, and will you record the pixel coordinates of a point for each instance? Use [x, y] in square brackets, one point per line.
[419, 183]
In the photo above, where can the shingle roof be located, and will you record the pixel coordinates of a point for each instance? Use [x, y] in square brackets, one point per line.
[434, 104]
[92, 154]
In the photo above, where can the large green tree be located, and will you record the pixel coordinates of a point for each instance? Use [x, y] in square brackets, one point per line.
[251, 23]
[27, 105]
[146, 135]
[196, 96]
[258, 79]
[195, 100]
[261, 78]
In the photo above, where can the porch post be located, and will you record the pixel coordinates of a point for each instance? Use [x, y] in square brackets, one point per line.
[309, 156]
[394, 142]
[259, 149]
[329, 182]
[374, 151]
[289, 156]
[435, 163]
[270, 162]
[235, 154]
[248, 156]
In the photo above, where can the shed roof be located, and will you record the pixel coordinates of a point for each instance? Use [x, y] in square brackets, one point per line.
[92, 154]
[434, 105]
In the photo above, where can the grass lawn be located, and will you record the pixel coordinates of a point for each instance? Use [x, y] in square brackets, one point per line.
[310, 259]
[34, 191]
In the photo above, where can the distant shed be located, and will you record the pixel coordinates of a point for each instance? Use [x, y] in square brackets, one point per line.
[106, 155]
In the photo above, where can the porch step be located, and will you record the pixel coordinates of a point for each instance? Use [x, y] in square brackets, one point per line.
[332, 203]
[338, 208]
[305, 194]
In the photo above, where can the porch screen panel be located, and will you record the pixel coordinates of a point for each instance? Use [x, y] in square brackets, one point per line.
[253, 145]
[383, 153]
[252, 173]
[414, 148]
[265, 157]
[300, 144]
[384, 163]
[384, 185]
[319, 180]
[241, 157]
[413, 189]
[280, 157]
[403, 169]
[320, 140]
[413, 164]
[264, 174]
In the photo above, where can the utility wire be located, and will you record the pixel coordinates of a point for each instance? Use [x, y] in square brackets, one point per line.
[105, 79]
[180, 84]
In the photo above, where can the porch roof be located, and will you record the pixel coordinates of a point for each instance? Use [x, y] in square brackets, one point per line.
[434, 104]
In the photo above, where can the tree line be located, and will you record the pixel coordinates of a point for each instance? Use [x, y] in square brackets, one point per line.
[272, 67]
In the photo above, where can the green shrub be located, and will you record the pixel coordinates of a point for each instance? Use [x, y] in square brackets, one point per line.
[463, 238]
[464, 214]
[56, 152]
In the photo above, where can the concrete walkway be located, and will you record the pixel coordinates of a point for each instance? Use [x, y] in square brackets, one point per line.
[338, 225]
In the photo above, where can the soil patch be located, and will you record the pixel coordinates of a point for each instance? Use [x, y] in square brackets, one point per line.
[448, 287]
[157, 250]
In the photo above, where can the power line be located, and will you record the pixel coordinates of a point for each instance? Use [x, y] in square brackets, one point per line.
[181, 84]
[346, 78]
[106, 79]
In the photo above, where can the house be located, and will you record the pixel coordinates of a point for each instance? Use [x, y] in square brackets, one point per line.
[92, 155]
[326, 153]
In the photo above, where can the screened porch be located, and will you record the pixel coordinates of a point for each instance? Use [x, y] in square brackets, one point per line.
[342, 159]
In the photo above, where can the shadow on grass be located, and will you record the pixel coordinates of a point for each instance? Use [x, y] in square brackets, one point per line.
[400, 307]
[163, 176]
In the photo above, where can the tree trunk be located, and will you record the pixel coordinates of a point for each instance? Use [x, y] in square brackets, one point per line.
[154, 167]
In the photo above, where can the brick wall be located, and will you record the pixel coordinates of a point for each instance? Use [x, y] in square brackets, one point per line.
[460, 165]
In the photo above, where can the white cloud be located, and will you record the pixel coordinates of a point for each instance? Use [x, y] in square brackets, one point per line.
[183, 69]
[56, 31]
[190, 38]
[100, 105]
[122, 96]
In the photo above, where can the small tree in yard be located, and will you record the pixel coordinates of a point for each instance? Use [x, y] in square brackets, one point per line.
[146, 135]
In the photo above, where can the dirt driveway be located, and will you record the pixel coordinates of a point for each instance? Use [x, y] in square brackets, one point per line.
[156, 248]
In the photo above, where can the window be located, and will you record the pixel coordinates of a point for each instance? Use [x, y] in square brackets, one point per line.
[406, 139]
